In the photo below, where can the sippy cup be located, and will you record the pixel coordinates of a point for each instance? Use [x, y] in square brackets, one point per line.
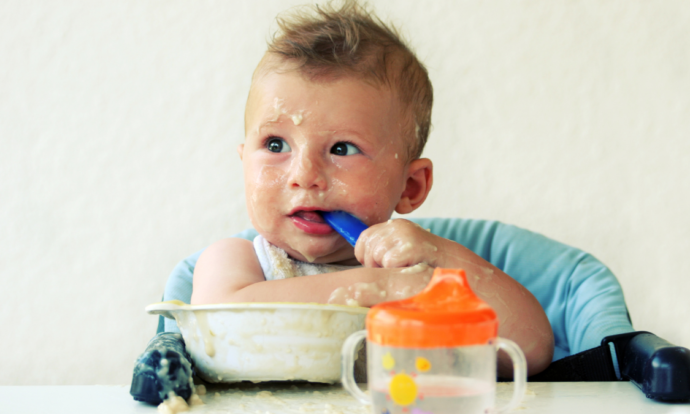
[433, 353]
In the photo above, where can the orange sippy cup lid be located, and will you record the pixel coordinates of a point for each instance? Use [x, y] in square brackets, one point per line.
[445, 314]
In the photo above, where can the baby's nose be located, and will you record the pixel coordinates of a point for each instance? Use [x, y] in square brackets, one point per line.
[307, 172]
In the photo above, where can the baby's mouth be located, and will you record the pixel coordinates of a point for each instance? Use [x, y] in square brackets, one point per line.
[311, 222]
[312, 216]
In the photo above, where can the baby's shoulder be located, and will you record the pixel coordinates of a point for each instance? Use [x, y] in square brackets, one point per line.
[231, 243]
[229, 252]
[226, 266]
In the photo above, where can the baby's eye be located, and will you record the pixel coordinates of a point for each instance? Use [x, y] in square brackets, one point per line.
[277, 145]
[344, 148]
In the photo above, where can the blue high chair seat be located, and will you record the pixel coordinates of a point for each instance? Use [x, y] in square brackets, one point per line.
[594, 337]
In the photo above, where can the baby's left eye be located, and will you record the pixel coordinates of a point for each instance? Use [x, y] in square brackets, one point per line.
[275, 144]
[345, 148]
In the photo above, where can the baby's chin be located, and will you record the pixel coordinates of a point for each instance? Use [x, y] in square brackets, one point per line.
[345, 260]
[318, 257]
[320, 254]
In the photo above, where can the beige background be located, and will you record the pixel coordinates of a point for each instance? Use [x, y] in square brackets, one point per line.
[119, 121]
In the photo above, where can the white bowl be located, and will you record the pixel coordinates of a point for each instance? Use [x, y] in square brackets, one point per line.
[264, 341]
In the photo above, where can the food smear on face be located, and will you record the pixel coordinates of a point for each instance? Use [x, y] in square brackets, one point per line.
[309, 258]
[269, 181]
[277, 109]
[297, 118]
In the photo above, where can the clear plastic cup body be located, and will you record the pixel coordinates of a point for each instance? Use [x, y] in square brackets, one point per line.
[434, 380]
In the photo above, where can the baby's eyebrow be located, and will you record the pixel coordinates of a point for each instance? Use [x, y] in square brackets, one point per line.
[267, 124]
[343, 131]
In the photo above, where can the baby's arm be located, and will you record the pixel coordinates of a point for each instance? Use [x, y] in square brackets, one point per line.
[400, 243]
[229, 271]
[225, 267]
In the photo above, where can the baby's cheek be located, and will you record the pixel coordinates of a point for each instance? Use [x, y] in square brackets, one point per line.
[339, 188]
[366, 194]
[263, 197]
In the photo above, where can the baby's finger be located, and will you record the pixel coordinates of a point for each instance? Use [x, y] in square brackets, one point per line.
[394, 258]
[360, 246]
[373, 251]
[363, 251]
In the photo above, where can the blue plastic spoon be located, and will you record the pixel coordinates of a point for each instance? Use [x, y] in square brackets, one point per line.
[347, 225]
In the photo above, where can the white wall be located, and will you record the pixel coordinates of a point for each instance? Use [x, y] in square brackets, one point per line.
[119, 121]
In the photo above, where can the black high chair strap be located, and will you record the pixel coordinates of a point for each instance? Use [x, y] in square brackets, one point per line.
[661, 370]
[591, 365]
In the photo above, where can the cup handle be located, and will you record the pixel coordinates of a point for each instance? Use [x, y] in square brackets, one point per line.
[519, 373]
[347, 364]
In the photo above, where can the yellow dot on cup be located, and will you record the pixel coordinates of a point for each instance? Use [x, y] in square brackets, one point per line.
[403, 389]
[423, 364]
[388, 361]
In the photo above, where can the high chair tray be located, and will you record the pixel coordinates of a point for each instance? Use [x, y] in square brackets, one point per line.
[248, 398]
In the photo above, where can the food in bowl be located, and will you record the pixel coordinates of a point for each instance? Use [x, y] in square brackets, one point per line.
[264, 341]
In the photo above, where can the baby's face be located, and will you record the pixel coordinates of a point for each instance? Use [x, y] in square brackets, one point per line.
[323, 146]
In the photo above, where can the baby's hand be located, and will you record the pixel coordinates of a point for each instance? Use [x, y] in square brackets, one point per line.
[397, 243]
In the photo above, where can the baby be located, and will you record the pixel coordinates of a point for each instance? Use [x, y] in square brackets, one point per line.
[337, 117]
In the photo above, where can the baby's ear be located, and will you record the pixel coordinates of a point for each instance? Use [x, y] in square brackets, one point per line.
[240, 150]
[420, 177]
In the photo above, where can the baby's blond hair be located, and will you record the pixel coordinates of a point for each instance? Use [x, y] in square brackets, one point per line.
[325, 42]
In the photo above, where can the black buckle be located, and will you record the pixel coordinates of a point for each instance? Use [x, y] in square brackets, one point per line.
[661, 370]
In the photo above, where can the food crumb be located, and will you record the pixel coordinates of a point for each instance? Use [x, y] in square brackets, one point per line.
[331, 410]
[195, 400]
[419, 267]
[201, 389]
[264, 394]
[217, 394]
[173, 404]
[431, 246]
[307, 407]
